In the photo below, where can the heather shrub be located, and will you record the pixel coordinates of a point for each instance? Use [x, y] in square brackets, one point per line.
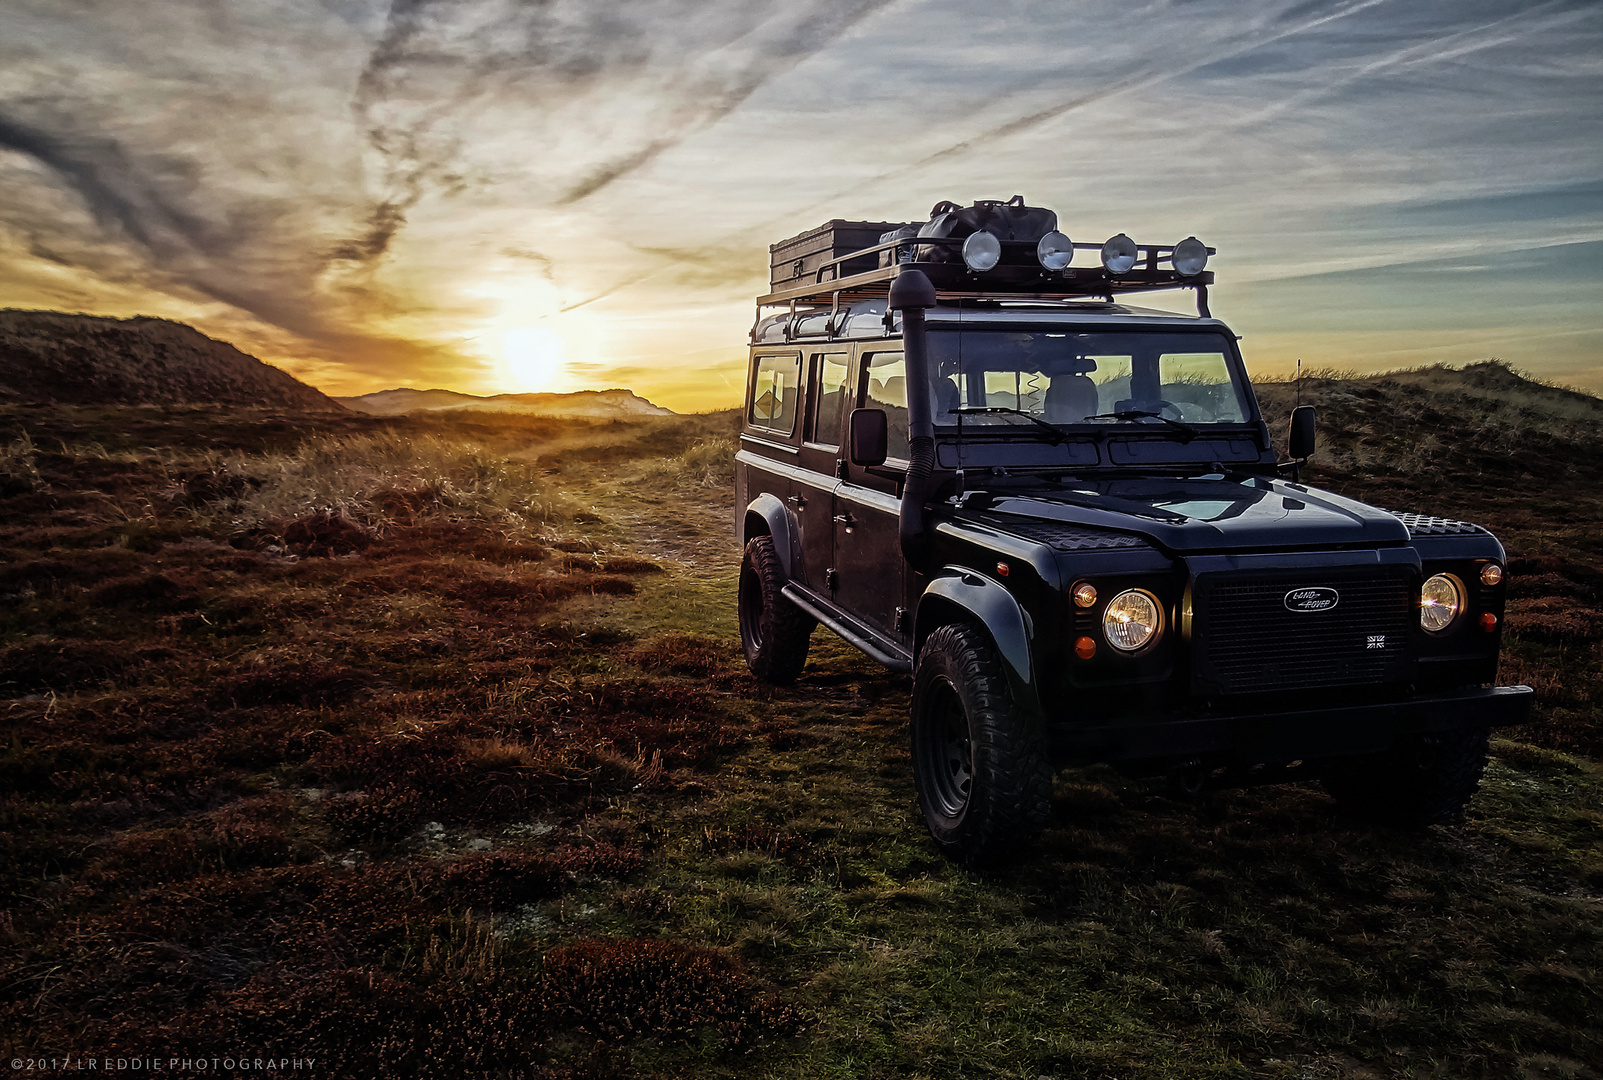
[629, 990]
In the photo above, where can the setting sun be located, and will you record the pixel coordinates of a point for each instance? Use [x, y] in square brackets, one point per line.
[533, 358]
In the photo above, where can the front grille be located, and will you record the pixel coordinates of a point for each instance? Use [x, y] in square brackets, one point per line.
[1245, 639]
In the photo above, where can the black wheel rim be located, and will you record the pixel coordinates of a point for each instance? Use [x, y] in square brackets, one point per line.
[751, 610]
[948, 753]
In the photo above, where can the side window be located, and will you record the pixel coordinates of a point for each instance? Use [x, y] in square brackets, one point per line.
[775, 393]
[887, 389]
[829, 397]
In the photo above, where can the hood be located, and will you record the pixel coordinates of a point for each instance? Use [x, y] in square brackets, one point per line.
[1206, 513]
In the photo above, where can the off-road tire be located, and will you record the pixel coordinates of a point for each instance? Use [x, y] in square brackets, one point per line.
[774, 631]
[984, 781]
[1424, 780]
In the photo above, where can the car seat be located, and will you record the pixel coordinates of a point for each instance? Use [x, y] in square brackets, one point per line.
[1070, 399]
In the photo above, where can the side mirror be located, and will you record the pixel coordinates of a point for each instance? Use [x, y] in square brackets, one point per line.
[1300, 439]
[870, 436]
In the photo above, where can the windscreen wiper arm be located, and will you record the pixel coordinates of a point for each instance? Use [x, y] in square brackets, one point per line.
[1140, 414]
[969, 410]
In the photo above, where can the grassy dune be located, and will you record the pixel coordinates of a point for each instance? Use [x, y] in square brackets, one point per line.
[425, 747]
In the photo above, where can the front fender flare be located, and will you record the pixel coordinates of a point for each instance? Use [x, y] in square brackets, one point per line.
[963, 594]
[776, 522]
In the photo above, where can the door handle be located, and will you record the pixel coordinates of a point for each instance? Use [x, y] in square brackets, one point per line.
[845, 519]
[798, 501]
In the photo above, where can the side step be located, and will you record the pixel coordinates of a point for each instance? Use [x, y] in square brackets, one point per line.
[859, 637]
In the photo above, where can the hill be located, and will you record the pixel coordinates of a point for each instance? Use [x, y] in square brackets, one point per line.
[52, 356]
[585, 404]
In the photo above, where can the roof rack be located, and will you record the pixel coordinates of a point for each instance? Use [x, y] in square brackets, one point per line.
[1017, 274]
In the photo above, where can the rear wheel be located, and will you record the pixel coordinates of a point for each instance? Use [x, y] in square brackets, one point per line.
[774, 631]
[984, 782]
[1424, 780]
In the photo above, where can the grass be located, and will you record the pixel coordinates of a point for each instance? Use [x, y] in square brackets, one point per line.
[474, 783]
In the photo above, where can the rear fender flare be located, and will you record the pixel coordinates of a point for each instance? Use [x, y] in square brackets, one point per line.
[957, 595]
[767, 515]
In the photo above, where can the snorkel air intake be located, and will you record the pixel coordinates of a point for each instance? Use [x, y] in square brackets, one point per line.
[911, 293]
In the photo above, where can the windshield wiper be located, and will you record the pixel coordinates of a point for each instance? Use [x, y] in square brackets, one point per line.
[969, 410]
[1141, 414]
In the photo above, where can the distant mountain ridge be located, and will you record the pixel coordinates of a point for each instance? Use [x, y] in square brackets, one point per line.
[592, 404]
[76, 359]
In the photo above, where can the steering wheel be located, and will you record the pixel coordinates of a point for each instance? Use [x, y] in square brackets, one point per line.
[1157, 405]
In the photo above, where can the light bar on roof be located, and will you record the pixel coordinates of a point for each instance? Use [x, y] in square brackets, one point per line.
[1119, 254]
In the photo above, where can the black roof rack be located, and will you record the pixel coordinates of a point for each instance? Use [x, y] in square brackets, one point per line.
[1017, 276]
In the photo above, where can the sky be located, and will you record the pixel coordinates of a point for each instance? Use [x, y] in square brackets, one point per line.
[512, 195]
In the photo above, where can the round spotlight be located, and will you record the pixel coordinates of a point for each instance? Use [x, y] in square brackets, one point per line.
[981, 251]
[1119, 254]
[1190, 256]
[1054, 251]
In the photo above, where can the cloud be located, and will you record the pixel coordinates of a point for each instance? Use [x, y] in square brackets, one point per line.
[637, 80]
[113, 186]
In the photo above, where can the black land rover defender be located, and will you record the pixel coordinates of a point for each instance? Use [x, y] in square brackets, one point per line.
[1063, 516]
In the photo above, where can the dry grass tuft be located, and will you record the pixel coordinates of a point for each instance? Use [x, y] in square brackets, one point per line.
[709, 463]
[392, 477]
[765, 839]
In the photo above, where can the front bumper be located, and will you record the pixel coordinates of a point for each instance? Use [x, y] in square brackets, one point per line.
[1300, 735]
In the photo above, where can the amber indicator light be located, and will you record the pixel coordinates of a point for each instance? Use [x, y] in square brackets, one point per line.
[1488, 621]
[1084, 648]
[1002, 569]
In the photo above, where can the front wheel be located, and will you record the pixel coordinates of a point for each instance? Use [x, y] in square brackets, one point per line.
[984, 782]
[774, 631]
[1424, 780]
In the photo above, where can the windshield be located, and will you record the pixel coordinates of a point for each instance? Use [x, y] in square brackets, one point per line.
[1087, 378]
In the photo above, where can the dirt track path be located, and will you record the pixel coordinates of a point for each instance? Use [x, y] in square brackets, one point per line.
[691, 529]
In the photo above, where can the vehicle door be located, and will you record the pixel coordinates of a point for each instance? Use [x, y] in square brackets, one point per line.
[868, 555]
[828, 399]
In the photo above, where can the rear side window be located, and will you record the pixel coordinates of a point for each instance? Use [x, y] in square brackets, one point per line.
[830, 397]
[776, 393]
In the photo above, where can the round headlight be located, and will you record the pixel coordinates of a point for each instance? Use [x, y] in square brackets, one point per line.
[1131, 620]
[981, 250]
[1190, 256]
[1119, 254]
[1440, 601]
[1054, 250]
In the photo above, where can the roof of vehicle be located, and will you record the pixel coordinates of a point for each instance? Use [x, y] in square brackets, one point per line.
[866, 319]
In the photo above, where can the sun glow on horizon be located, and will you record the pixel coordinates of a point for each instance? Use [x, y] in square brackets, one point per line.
[533, 359]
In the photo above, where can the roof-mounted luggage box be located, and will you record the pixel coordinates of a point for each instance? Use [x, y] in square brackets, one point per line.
[796, 261]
